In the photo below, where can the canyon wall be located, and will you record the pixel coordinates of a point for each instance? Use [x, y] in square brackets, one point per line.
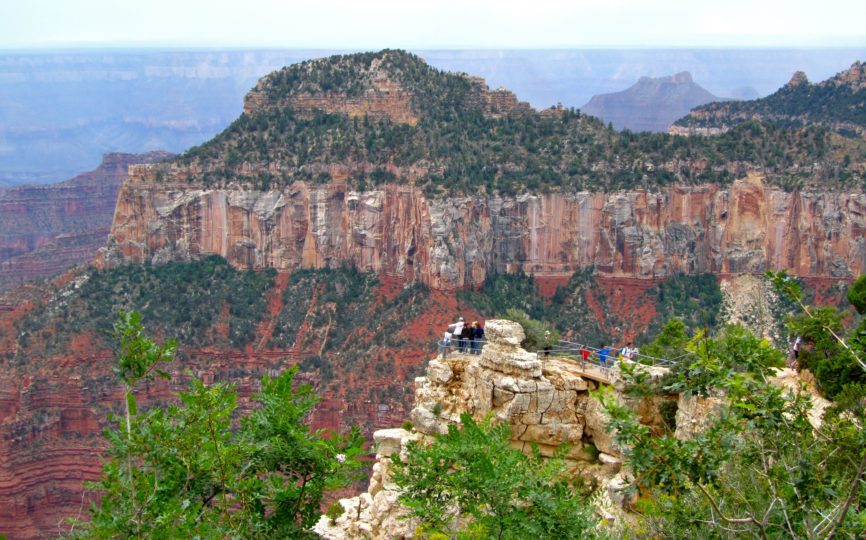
[457, 241]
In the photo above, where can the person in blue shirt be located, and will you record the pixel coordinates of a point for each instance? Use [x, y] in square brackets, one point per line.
[603, 352]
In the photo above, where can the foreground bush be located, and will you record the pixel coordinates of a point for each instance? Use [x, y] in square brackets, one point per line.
[191, 470]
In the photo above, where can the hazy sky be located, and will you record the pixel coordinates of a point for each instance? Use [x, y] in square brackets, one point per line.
[415, 24]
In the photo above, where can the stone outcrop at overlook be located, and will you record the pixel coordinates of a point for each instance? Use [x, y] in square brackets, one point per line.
[547, 404]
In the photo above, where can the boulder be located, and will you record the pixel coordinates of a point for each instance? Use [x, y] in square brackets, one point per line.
[389, 441]
[595, 425]
[511, 361]
[504, 332]
[695, 414]
[428, 423]
[439, 372]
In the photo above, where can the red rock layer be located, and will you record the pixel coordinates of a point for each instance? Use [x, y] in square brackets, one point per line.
[456, 242]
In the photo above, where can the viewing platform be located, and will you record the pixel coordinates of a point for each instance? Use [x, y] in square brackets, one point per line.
[591, 364]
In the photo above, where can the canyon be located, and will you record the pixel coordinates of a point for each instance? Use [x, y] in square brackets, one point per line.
[425, 244]
[46, 229]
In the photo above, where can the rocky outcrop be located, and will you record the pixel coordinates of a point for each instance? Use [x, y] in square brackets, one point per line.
[543, 402]
[374, 88]
[546, 403]
[455, 242]
[47, 229]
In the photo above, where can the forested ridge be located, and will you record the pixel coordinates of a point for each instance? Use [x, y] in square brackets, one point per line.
[467, 139]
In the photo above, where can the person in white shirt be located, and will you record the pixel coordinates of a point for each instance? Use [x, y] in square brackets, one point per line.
[456, 329]
[628, 352]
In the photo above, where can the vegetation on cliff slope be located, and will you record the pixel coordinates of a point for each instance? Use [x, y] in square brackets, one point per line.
[332, 322]
[581, 311]
[185, 301]
[766, 465]
[695, 299]
[838, 103]
[464, 143]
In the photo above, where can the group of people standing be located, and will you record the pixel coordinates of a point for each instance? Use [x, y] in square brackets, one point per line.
[468, 336]
[611, 354]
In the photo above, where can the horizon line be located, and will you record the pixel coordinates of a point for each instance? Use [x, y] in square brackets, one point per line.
[147, 46]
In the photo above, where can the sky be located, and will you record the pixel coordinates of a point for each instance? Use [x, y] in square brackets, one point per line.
[431, 24]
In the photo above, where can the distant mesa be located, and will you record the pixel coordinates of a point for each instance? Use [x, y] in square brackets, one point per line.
[651, 104]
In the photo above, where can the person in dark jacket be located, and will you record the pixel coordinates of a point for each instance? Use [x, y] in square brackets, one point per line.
[465, 338]
[477, 337]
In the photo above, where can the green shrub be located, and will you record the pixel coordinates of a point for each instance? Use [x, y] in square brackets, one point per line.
[496, 490]
[334, 511]
[857, 295]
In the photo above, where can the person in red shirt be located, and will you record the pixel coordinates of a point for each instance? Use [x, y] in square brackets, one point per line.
[584, 353]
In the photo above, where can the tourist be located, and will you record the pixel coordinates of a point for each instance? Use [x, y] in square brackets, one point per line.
[477, 337]
[456, 329]
[466, 338]
[584, 355]
[628, 352]
[446, 343]
[465, 335]
[795, 353]
[603, 353]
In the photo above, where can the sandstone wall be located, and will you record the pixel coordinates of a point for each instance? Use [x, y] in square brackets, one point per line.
[454, 242]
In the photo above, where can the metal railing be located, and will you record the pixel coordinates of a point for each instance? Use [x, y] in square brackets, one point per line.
[578, 352]
[569, 348]
[459, 345]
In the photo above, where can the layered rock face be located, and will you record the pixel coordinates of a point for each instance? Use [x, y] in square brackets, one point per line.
[375, 93]
[456, 242]
[49, 228]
